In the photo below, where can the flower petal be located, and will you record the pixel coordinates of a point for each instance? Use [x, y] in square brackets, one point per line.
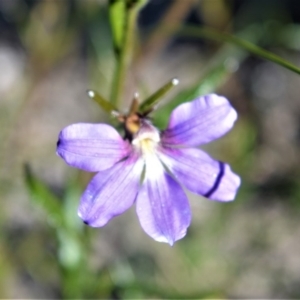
[91, 147]
[162, 205]
[201, 174]
[200, 121]
[111, 192]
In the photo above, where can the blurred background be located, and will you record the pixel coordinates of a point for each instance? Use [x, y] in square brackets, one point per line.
[51, 52]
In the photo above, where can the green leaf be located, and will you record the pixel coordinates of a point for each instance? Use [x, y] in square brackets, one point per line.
[289, 36]
[70, 250]
[42, 196]
[127, 41]
[71, 198]
[117, 15]
[212, 34]
[105, 105]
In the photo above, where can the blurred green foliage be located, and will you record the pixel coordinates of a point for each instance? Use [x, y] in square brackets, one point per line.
[246, 249]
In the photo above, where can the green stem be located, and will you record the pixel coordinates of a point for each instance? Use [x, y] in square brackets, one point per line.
[125, 55]
[212, 34]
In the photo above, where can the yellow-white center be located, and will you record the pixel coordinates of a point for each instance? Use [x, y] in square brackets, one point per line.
[146, 140]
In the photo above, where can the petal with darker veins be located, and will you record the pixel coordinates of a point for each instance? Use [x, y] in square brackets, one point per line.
[162, 206]
[111, 192]
[200, 121]
[201, 174]
[91, 147]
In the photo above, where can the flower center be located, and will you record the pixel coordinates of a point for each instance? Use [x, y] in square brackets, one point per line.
[146, 139]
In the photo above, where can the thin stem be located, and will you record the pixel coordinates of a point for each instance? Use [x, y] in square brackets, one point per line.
[212, 34]
[125, 55]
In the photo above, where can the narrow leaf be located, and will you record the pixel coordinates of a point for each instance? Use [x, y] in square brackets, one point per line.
[41, 195]
[212, 34]
[70, 203]
[117, 15]
[128, 39]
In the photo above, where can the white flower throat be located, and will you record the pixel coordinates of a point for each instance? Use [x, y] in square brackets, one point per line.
[146, 139]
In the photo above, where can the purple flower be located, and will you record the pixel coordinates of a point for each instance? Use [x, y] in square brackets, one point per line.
[146, 166]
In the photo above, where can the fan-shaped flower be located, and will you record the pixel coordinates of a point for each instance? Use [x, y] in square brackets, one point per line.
[148, 166]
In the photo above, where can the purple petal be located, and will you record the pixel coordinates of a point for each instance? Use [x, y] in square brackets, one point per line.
[111, 192]
[162, 205]
[91, 147]
[201, 174]
[200, 121]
